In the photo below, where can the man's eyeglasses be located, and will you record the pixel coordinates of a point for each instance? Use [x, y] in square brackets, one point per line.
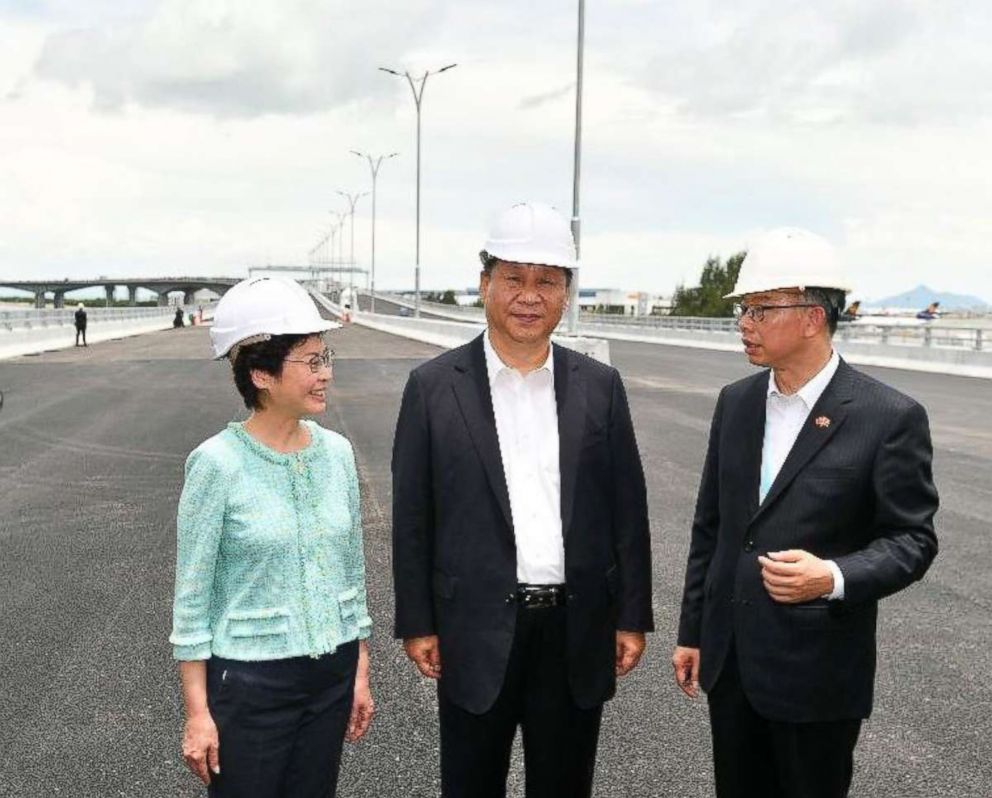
[757, 312]
[316, 362]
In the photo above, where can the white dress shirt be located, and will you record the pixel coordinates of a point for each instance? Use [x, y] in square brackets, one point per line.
[784, 419]
[527, 428]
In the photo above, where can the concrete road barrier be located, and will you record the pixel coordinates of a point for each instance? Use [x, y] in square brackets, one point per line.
[25, 334]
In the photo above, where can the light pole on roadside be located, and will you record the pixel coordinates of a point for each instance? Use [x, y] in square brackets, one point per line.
[573, 304]
[418, 97]
[374, 164]
[340, 216]
[352, 202]
[333, 237]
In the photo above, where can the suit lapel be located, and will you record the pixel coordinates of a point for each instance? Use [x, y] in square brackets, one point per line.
[830, 411]
[751, 420]
[570, 398]
[471, 387]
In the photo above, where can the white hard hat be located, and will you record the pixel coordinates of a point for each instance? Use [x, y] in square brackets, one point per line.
[532, 232]
[789, 257]
[260, 307]
[79, 306]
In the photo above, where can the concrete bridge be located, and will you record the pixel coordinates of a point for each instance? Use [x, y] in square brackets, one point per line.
[163, 286]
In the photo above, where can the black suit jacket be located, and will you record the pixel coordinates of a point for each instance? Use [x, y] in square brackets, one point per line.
[858, 490]
[454, 555]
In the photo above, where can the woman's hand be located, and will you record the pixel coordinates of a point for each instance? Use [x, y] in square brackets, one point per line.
[362, 706]
[362, 710]
[201, 746]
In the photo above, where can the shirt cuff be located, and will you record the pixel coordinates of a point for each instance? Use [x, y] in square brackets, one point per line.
[837, 594]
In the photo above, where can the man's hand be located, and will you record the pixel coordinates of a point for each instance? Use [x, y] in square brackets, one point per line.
[685, 661]
[630, 646]
[425, 653]
[795, 576]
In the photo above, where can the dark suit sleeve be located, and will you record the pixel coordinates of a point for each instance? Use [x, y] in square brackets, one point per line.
[905, 543]
[705, 525]
[413, 516]
[632, 532]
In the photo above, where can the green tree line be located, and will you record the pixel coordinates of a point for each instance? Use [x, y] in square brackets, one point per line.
[706, 299]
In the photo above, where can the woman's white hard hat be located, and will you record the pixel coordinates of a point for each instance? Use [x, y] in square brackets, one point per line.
[789, 257]
[260, 307]
[531, 232]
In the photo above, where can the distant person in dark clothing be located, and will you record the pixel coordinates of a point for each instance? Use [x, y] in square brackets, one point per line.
[932, 312]
[80, 317]
[178, 320]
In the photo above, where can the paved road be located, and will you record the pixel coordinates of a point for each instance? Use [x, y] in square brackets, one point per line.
[91, 450]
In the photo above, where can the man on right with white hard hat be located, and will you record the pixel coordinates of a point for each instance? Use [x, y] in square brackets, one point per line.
[817, 500]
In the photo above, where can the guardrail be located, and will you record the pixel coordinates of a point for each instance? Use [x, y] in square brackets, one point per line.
[25, 332]
[15, 318]
[895, 332]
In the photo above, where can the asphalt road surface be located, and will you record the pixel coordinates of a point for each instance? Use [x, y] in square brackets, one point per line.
[92, 444]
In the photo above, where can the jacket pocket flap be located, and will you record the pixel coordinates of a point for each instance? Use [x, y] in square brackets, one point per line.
[258, 623]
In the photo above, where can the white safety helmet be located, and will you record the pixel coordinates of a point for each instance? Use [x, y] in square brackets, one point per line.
[80, 306]
[257, 308]
[531, 232]
[788, 257]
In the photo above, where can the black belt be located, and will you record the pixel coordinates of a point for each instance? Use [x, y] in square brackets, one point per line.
[534, 597]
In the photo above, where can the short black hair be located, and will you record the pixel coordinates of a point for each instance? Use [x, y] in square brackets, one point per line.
[489, 261]
[267, 356]
[830, 299]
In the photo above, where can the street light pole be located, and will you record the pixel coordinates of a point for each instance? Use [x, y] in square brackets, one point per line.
[573, 304]
[418, 98]
[374, 165]
[352, 202]
[340, 217]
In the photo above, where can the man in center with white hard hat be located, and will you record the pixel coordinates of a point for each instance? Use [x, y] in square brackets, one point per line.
[521, 545]
[816, 500]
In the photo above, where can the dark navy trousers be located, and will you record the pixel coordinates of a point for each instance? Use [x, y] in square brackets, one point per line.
[281, 723]
[559, 738]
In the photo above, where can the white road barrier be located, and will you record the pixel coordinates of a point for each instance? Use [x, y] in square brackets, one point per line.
[28, 332]
[960, 350]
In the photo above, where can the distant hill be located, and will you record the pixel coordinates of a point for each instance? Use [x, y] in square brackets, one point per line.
[923, 295]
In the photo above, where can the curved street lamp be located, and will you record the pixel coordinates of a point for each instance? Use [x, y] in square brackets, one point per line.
[374, 164]
[418, 98]
[352, 202]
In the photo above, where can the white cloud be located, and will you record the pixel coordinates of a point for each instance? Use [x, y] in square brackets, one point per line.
[232, 58]
[206, 136]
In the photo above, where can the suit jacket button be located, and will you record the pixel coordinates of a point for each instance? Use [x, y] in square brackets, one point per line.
[511, 598]
[749, 545]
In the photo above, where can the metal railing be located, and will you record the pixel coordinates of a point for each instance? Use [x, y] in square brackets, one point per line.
[45, 318]
[895, 333]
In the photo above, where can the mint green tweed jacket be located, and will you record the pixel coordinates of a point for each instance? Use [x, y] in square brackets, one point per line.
[269, 560]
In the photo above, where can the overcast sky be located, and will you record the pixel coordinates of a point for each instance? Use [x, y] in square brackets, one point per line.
[159, 137]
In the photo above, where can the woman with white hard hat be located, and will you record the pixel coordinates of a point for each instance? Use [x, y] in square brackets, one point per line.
[270, 614]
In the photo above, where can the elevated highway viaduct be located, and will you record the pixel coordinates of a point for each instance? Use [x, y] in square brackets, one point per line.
[163, 286]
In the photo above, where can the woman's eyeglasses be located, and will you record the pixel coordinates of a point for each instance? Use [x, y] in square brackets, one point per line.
[316, 362]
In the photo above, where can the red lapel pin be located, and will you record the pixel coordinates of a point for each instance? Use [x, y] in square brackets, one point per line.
[822, 422]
